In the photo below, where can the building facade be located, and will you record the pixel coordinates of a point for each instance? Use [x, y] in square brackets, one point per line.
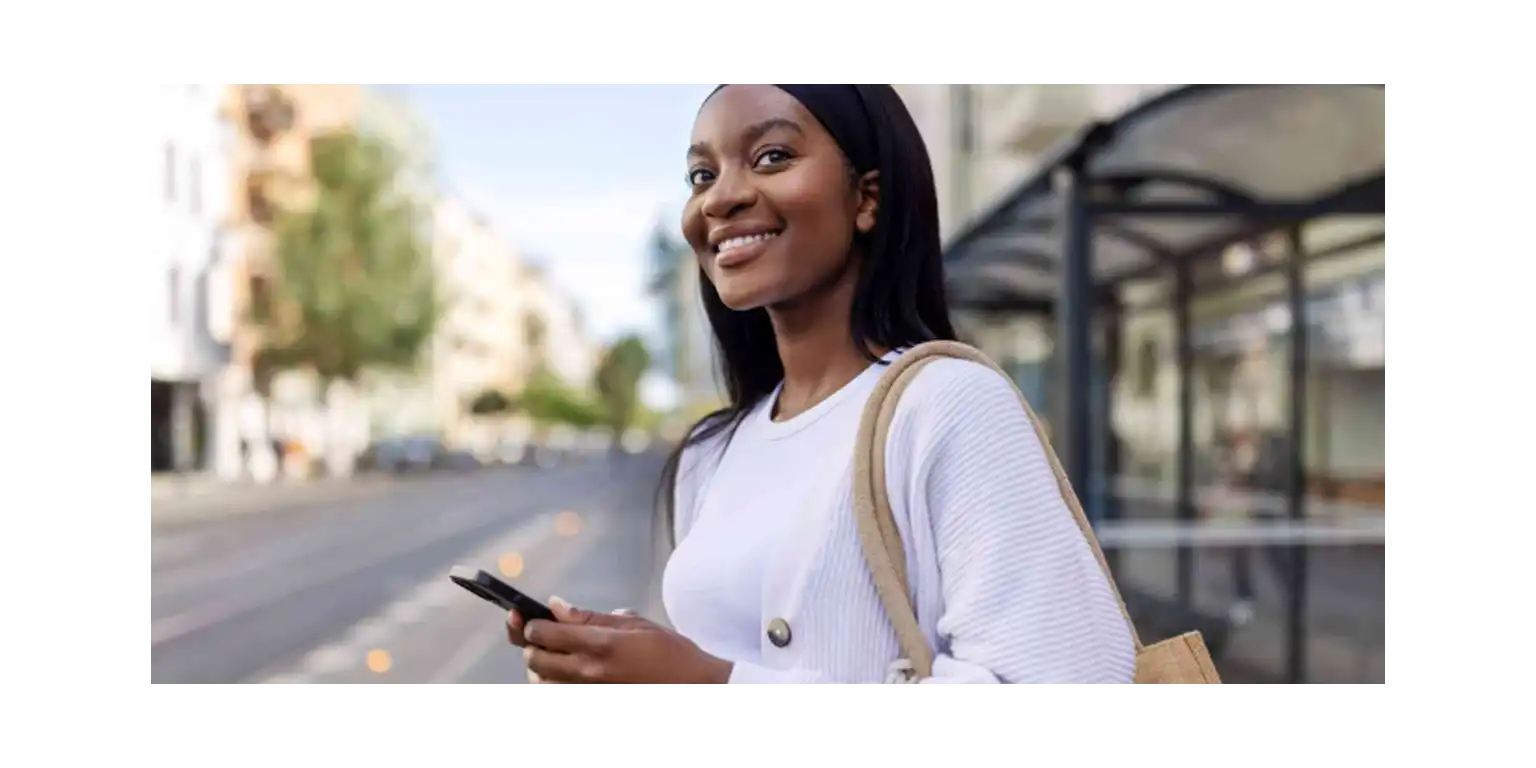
[185, 355]
[982, 141]
[481, 342]
[268, 165]
[559, 331]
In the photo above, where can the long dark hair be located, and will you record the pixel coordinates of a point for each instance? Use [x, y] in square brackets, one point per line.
[898, 300]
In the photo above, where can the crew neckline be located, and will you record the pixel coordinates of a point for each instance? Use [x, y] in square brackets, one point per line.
[778, 430]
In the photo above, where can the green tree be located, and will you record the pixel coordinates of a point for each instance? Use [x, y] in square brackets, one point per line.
[353, 286]
[547, 400]
[618, 382]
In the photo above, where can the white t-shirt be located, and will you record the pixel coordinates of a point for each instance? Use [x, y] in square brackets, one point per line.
[713, 585]
[1004, 584]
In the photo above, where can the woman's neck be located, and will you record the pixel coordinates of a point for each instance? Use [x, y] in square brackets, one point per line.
[816, 346]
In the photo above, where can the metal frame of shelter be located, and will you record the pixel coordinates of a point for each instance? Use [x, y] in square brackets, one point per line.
[1165, 189]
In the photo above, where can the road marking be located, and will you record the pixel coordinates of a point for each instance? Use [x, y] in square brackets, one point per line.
[330, 658]
[434, 593]
[372, 631]
[292, 545]
[377, 631]
[480, 644]
[172, 627]
[286, 680]
[174, 547]
[407, 612]
[444, 596]
[467, 657]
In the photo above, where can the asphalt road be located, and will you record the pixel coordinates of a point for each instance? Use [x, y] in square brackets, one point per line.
[356, 589]
[352, 586]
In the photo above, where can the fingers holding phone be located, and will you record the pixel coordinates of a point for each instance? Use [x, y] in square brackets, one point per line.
[563, 612]
[515, 629]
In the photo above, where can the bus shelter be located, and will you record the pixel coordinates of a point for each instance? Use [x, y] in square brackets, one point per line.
[1201, 263]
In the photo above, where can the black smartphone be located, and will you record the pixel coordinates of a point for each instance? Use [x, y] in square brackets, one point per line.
[497, 592]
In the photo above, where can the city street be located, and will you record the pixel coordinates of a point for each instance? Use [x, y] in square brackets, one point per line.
[349, 584]
[355, 588]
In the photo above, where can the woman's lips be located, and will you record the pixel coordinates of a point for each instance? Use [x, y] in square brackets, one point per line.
[734, 253]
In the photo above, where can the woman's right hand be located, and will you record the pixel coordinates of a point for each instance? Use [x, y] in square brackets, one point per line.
[515, 632]
[515, 636]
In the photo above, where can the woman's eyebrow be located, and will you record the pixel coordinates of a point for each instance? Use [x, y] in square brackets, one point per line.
[753, 133]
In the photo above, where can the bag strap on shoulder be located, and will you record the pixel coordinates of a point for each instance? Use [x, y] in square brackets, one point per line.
[881, 539]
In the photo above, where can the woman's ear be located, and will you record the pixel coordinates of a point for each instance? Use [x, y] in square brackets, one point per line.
[869, 203]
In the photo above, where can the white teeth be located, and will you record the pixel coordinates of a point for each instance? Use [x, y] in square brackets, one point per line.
[737, 242]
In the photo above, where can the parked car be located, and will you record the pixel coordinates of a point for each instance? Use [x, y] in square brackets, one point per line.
[408, 453]
[512, 451]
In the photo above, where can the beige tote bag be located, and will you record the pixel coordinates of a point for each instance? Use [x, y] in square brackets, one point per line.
[1182, 659]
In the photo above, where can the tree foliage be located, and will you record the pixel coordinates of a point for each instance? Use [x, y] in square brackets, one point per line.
[353, 285]
[618, 381]
[548, 400]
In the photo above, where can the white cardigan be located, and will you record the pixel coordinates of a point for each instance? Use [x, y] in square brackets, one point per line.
[1006, 589]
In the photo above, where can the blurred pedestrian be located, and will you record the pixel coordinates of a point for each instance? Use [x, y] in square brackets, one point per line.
[814, 219]
[1235, 498]
[1252, 477]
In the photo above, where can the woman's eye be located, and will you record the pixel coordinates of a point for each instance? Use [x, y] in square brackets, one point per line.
[699, 176]
[772, 157]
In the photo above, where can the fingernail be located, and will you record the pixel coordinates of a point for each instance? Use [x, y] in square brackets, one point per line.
[558, 602]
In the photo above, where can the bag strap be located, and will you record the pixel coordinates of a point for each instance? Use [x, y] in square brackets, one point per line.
[878, 534]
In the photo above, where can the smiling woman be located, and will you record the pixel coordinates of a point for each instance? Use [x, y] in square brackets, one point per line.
[813, 219]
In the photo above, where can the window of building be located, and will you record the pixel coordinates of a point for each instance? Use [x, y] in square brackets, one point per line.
[260, 298]
[259, 205]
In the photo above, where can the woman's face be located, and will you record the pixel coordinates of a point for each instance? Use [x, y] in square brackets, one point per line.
[773, 209]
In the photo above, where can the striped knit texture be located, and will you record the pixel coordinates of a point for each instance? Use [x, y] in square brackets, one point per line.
[1005, 587]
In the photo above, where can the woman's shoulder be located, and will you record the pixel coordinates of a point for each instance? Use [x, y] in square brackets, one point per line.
[953, 392]
[702, 448]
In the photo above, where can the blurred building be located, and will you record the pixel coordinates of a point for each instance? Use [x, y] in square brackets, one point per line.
[984, 140]
[557, 331]
[185, 354]
[268, 165]
[482, 340]
[687, 351]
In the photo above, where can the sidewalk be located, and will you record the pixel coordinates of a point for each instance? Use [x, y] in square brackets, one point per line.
[1345, 623]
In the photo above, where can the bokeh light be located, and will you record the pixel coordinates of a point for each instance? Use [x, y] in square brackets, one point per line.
[567, 523]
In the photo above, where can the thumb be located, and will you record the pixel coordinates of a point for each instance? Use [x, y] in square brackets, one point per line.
[566, 613]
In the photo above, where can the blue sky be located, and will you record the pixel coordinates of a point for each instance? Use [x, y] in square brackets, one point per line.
[574, 176]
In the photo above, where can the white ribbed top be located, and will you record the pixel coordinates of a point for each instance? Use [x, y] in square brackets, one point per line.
[1005, 586]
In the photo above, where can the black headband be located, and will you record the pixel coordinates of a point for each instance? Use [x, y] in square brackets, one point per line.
[842, 111]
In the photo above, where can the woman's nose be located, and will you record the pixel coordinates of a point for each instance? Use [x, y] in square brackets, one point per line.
[731, 193]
